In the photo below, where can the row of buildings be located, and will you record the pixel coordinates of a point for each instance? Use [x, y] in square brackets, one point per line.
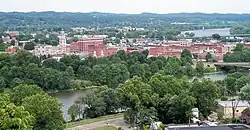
[96, 46]
[199, 49]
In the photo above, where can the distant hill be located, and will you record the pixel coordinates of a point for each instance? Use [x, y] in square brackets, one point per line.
[68, 19]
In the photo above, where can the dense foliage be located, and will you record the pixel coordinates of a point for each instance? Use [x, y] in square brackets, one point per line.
[239, 54]
[72, 72]
[50, 19]
[147, 89]
[163, 98]
[27, 107]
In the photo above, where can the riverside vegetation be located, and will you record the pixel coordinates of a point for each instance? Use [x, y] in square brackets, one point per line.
[145, 89]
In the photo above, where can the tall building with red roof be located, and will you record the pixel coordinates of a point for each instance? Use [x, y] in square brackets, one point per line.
[89, 46]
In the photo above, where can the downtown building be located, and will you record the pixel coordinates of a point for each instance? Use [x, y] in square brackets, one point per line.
[49, 50]
[89, 47]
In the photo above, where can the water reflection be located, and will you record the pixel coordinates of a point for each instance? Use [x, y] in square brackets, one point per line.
[68, 98]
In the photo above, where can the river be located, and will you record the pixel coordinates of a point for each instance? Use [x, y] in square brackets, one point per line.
[209, 32]
[68, 97]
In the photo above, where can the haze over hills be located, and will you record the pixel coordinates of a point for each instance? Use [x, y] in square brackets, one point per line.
[70, 19]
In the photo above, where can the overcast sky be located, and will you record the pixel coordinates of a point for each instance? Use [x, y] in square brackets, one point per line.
[128, 6]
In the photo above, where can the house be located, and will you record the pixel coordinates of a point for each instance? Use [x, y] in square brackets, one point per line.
[245, 115]
[11, 49]
[225, 108]
[223, 127]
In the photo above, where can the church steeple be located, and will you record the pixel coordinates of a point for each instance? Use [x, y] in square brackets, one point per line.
[62, 38]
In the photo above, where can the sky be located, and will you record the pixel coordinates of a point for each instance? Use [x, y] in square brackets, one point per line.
[128, 6]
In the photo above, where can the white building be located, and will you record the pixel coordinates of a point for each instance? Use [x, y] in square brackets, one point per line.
[49, 50]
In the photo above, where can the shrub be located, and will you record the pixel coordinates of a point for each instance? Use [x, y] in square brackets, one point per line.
[224, 98]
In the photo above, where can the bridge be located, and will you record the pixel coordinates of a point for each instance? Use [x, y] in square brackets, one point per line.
[233, 64]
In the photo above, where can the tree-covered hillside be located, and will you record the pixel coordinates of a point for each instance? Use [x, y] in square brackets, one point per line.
[67, 19]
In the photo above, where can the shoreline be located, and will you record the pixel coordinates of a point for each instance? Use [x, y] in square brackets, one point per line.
[220, 72]
[71, 90]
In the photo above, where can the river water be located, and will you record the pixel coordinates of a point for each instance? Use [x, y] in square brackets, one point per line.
[68, 98]
[209, 32]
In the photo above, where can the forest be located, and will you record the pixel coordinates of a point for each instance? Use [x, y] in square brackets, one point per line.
[41, 20]
[145, 89]
[73, 72]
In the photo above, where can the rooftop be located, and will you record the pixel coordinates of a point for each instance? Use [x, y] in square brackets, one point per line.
[229, 103]
[228, 127]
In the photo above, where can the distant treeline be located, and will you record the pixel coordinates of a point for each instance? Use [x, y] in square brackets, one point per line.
[94, 19]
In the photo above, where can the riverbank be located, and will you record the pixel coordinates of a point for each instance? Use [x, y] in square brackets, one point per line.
[105, 128]
[212, 73]
[93, 120]
[71, 90]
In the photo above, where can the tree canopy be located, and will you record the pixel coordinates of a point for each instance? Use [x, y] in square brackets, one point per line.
[14, 117]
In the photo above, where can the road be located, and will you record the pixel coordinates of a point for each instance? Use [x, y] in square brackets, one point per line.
[118, 122]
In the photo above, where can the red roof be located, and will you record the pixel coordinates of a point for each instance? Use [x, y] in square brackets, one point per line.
[111, 51]
[13, 34]
[11, 50]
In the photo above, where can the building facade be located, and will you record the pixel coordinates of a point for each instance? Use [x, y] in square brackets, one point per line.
[49, 50]
[225, 108]
[89, 46]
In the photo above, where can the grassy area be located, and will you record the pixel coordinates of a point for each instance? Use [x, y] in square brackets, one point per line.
[89, 121]
[106, 128]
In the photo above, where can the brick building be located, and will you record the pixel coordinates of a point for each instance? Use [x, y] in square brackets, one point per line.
[89, 46]
[200, 49]
[11, 49]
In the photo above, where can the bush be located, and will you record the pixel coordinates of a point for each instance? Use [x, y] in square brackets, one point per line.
[161, 127]
[78, 84]
[209, 70]
[224, 98]
[220, 116]
[86, 83]
[236, 120]
[226, 121]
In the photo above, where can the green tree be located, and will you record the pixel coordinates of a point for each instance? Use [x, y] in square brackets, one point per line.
[72, 111]
[122, 55]
[85, 72]
[205, 92]
[70, 71]
[15, 82]
[13, 42]
[24, 37]
[137, 97]
[189, 70]
[29, 46]
[245, 93]
[20, 92]
[154, 68]
[95, 105]
[51, 63]
[99, 74]
[46, 111]
[186, 56]
[209, 57]
[110, 99]
[238, 48]
[173, 68]
[216, 36]
[199, 68]
[176, 108]
[2, 83]
[14, 117]
[117, 41]
[116, 74]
